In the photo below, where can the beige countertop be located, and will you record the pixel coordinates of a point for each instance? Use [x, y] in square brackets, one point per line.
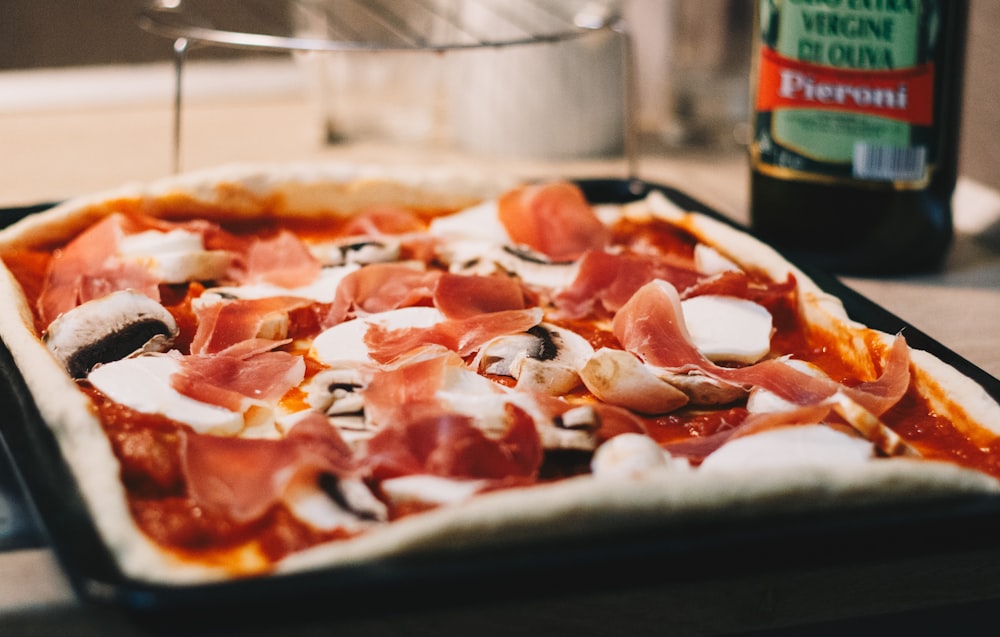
[54, 153]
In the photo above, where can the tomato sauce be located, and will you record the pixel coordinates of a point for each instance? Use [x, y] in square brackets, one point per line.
[597, 334]
[937, 438]
[656, 235]
[694, 423]
[148, 450]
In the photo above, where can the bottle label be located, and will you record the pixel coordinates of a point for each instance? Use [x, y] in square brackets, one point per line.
[845, 90]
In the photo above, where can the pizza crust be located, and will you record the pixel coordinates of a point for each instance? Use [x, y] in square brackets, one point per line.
[664, 501]
[586, 506]
[83, 445]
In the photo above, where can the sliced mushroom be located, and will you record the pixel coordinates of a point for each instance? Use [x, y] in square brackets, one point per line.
[546, 358]
[335, 392]
[353, 495]
[582, 418]
[356, 252]
[113, 327]
[703, 390]
[475, 257]
[575, 430]
[502, 355]
[466, 392]
[337, 503]
[619, 378]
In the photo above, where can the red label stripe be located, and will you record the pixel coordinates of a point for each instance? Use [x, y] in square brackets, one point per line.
[903, 94]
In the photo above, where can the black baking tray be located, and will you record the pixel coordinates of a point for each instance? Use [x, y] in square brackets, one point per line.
[632, 557]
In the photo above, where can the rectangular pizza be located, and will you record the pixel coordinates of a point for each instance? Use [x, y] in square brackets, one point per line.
[263, 370]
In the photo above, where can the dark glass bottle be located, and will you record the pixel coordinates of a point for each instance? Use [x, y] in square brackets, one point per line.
[855, 150]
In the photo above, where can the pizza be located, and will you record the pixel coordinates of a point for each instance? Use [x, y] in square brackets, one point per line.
[259, 370]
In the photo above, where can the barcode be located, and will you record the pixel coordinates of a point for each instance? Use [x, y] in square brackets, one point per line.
[890, 163]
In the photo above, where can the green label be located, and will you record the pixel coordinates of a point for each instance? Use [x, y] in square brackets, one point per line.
[853, 34]
[850, 83]
[830, 136]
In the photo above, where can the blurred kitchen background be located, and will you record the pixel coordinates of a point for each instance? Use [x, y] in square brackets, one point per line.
[691, 83]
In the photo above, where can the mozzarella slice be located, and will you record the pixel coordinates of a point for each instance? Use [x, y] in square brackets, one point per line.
[630, 455]
[151, 241]
[143, 383]
[478, 257]
[481, 222]
[345, 342]
[176, 256]
[792, 446]
[429, 489]
[727, 328]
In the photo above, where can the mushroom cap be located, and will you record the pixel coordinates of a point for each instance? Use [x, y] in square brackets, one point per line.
[110, 328]
[546, 358]
[619, 378]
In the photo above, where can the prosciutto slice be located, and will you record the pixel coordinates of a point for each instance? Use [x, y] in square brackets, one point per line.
[740, 285]
[88, 268]
[242, 479]
[393, 225]
[420, 433]
[383, 221]
[697, 448]
[282, 260]
[380, 287]
[235, 382]
[615, 421]
[608, 280]
[554, 219]
[464, 296]
[879, 395]
[651, 325]
[463, 336]
[449, 445]
[396, 393]
[227, 323]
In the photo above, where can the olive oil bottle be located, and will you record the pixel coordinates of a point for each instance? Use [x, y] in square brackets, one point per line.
[855, 131]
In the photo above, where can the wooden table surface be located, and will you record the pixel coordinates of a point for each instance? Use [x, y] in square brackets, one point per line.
[54, 153]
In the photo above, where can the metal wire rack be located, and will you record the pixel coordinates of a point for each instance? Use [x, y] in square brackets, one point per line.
[382, 25]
